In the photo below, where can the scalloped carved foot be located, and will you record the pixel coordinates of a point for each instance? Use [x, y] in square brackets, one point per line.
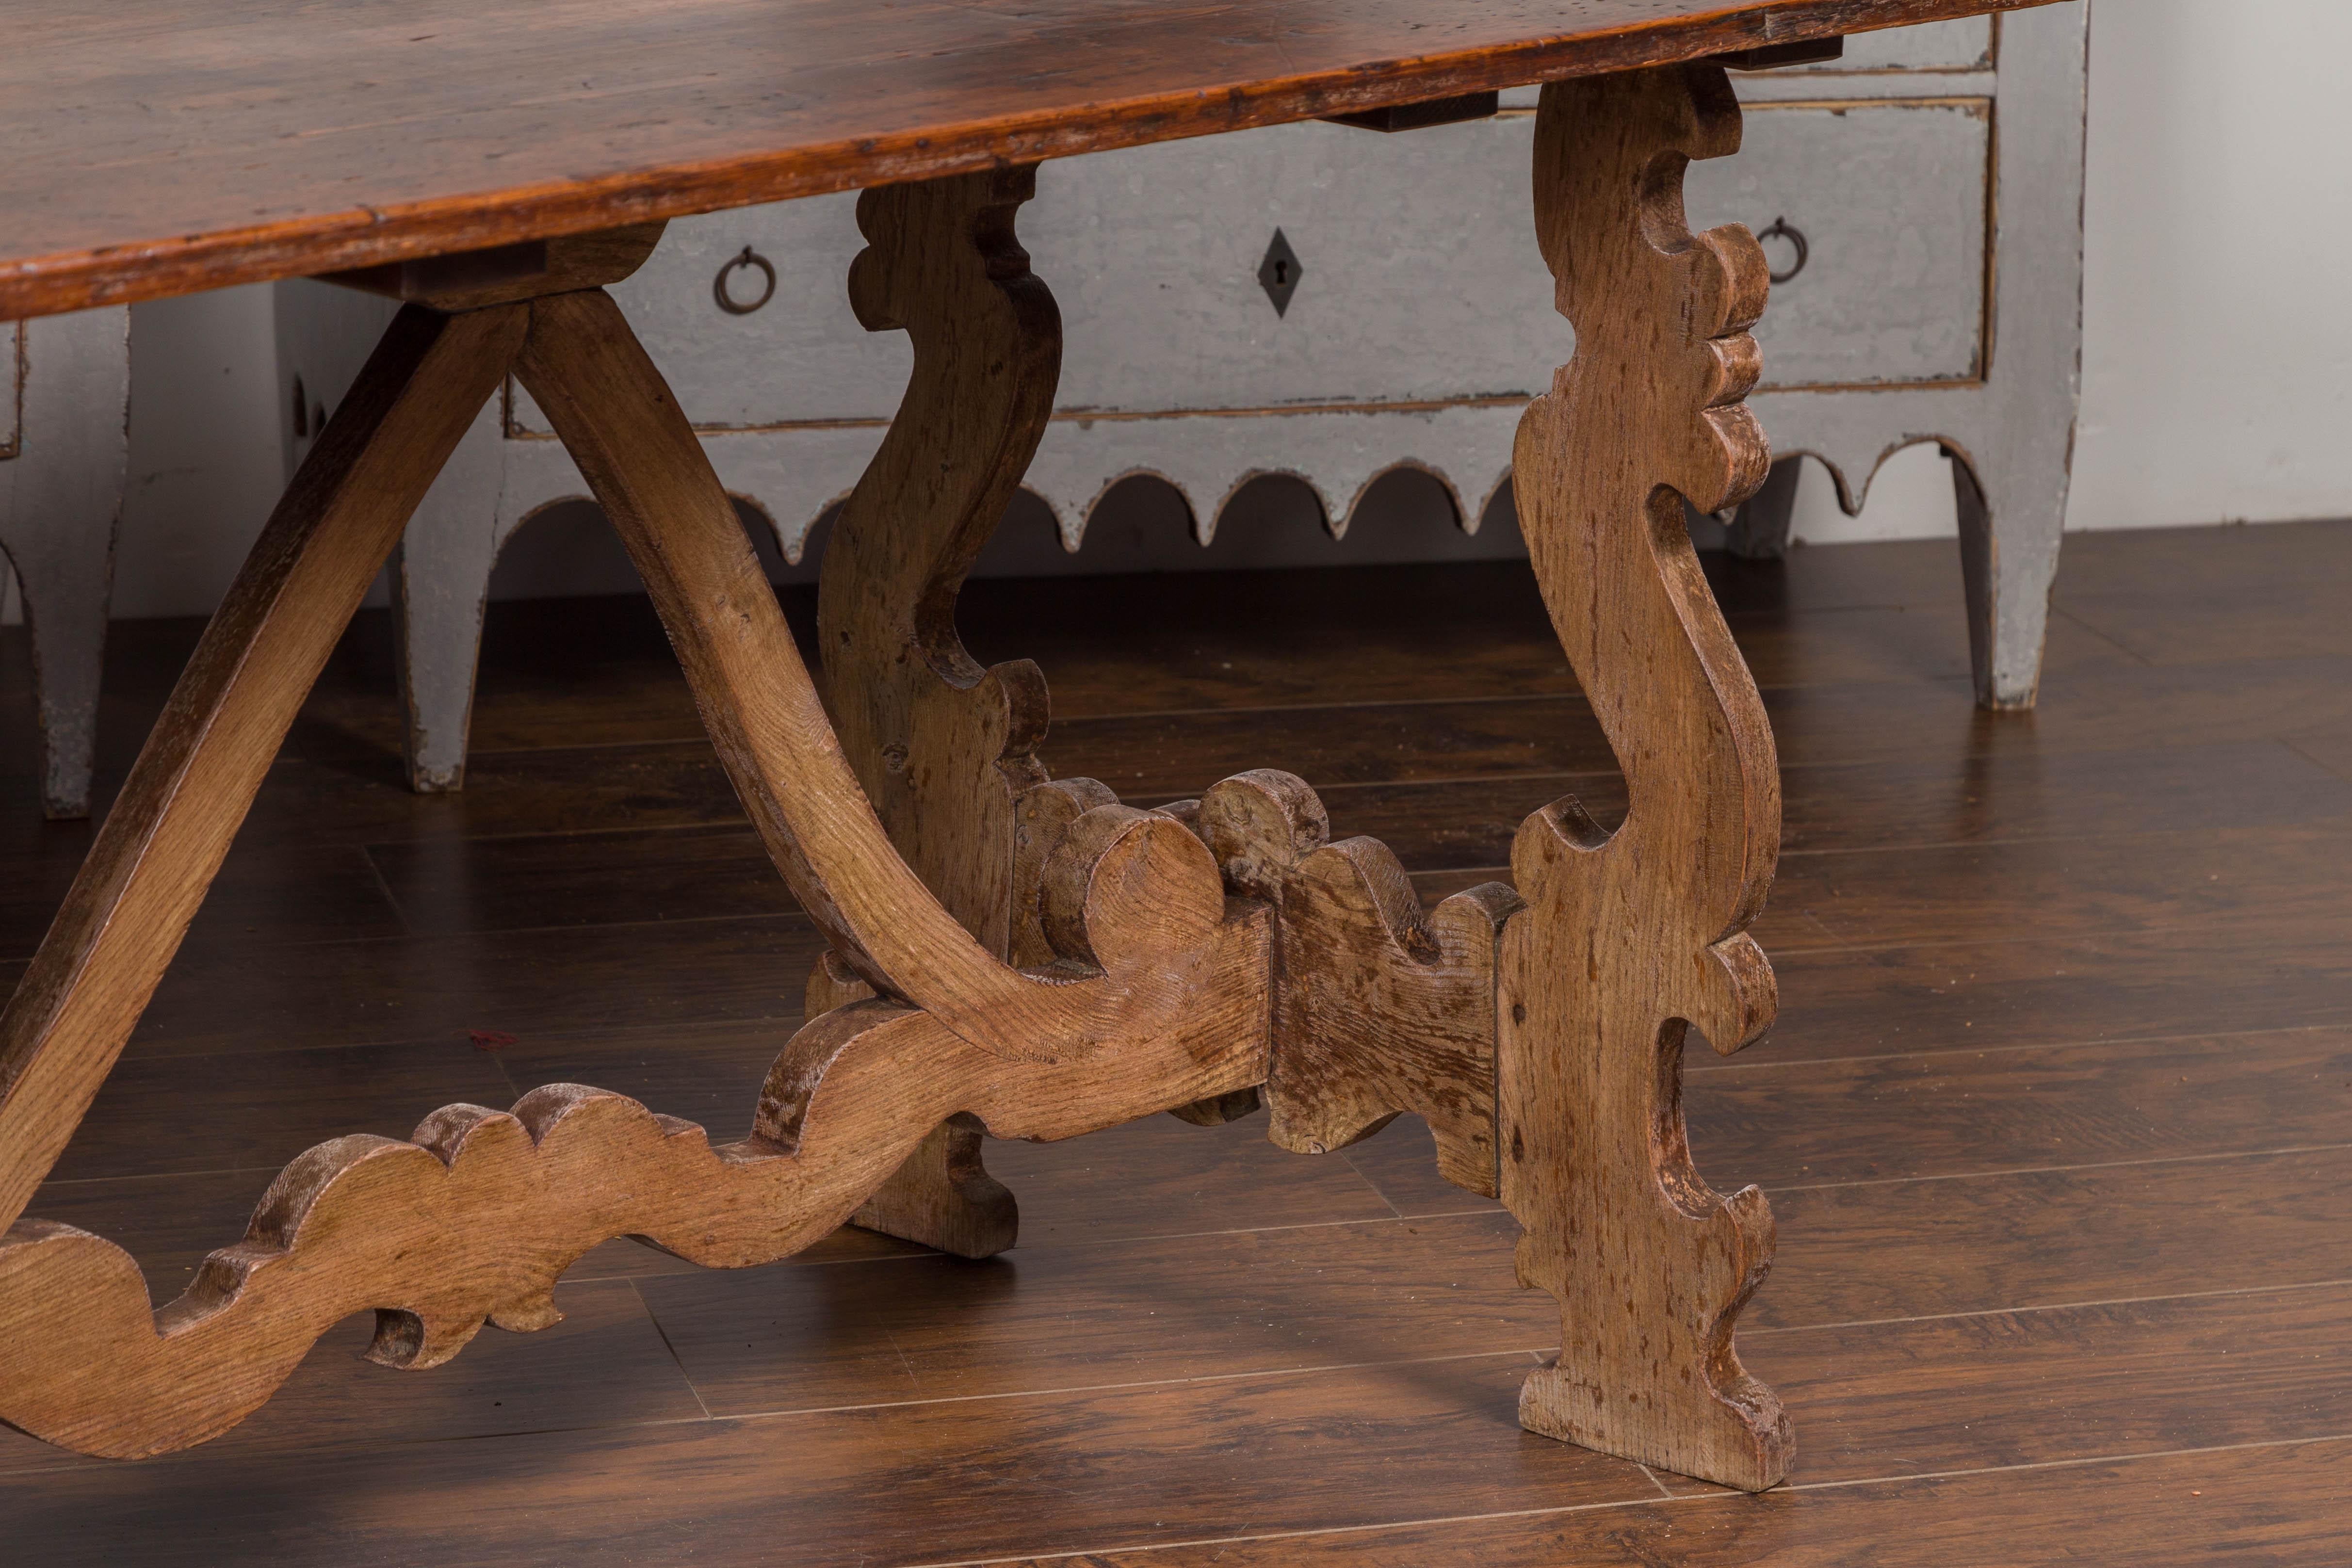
[1632, 938]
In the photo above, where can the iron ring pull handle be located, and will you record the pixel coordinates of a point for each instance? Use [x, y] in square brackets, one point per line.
[1781, 229]
[728, 302]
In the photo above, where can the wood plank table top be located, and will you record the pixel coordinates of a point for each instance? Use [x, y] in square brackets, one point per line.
[160, 147]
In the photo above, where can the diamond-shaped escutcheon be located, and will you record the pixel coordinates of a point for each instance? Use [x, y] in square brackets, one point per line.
[1279, 273]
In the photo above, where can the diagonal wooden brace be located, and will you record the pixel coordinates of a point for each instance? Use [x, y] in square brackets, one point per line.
[1152, 994]
[197, 775]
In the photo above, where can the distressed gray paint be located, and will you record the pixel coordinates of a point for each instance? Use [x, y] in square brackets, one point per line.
[2013, 434]
[1423, 278]
[12, 389]
[60, 502]
[1422, 285]
[1964, 44]
[1891, 196]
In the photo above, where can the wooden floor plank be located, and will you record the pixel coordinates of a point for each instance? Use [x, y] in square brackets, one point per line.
[2238, 975]
[2105, 709]
[2201, 595]
[2052, 1122]
[525, 983]
[969, 1478]
[1088, 1317]
[2066, 888]
[2280, 1507]
[604, 1365]
[1893, 806]
[1874, 1252]
[266, 897]
[710, 865]
[2037, 1387]
[1877, 1250]
[242, 1110]
[1964, 1113]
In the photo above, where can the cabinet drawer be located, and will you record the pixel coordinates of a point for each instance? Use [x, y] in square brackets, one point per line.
[1419, 277]
[1891, 198]
[1421, 283]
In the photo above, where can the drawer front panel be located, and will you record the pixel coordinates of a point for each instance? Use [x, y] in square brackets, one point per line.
[1892, 199]
[1420, 279]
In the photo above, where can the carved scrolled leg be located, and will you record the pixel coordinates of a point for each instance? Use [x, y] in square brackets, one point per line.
[1629, 937]
[942, 747]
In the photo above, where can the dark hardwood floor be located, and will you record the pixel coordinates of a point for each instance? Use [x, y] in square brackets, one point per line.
[2057, 1121]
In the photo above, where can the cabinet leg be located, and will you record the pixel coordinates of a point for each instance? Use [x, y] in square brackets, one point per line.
[1761, 531]
[941, 747]
[67, 581]
[440, 584]
[1632, 939]
[2009, 535]
[60, 503]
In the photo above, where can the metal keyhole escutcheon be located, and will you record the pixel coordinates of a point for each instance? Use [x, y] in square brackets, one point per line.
[1279, 272]
[1782, 229]
[750, 258]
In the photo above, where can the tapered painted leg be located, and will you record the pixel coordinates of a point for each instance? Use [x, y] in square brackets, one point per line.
[440, 582]
[1633, 937]
[1761, 531]
[67, 583]
[2011, 525]
[60, 501]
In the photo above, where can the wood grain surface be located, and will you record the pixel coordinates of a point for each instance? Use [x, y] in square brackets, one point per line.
[942, 747]
[160, 147]
[1162, 983]
[77, 1003]
[1636, 935]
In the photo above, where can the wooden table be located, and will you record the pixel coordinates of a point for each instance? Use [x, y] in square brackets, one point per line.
[1008, 951]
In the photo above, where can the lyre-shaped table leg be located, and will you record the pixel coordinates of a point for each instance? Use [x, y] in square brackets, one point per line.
[942, 747]
[1631, 936]
[1153, 995]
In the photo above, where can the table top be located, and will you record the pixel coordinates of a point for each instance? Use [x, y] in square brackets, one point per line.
[160, 147]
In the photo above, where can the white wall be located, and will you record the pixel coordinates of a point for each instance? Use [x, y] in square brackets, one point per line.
[2218, 376]
[2218, 359]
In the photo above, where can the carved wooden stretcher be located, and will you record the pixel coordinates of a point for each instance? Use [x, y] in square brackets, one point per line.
[1010, 953]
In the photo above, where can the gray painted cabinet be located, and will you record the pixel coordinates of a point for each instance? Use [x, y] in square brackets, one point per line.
[1416, 325]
